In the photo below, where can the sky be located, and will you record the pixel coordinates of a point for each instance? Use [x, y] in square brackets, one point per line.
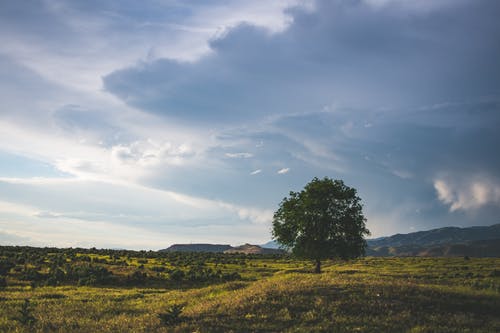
[138, 125]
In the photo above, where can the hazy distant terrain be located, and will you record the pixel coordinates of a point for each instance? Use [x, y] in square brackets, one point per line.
[448, 235]
[443, 242]
[215, 248]
[218, 248]
[480, 241]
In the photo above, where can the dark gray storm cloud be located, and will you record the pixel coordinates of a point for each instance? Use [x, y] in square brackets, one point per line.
[346, 52]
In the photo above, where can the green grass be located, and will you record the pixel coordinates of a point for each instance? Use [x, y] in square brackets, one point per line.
[277, 295]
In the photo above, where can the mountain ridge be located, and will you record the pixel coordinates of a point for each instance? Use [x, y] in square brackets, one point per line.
[445, 235]
[477, 241]
[197, 247]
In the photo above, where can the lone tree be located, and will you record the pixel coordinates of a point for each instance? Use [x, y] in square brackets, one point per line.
[323, 221]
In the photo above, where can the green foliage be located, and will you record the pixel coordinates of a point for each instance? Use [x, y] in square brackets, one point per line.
[136, 277]
[25, 314]
[88, 275]
[6, 266]
[55, 277]
[172, 315]
[323, 221]
[271, 294]
[3, 282]
[177, 275]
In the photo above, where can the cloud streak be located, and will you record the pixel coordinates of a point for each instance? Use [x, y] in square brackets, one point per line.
[238, 155]
[283, 171]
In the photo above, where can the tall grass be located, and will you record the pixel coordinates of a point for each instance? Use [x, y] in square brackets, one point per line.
[275, 295]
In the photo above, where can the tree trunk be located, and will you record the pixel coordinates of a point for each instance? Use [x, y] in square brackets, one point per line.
[317, 270]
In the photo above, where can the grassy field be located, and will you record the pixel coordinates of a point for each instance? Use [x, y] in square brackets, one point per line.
[234, 293]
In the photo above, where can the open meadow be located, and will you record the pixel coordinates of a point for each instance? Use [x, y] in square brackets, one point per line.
[77, 290]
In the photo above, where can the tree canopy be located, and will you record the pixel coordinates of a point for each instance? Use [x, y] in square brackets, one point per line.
[323, 221]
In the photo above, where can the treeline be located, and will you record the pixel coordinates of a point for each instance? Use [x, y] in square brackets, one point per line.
[21, 265]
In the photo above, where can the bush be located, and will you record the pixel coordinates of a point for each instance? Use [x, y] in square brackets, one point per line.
[5, 266]
[176, 275]
[25, 314]
[3, 282]
[173, 315]
[88, 275]
[231, 276]
[56, 277]
[31, 274]
[158, 268]
[137, 277]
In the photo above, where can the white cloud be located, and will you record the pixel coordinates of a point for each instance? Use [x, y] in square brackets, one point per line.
[255, 215]
[143, 213]
[283, 171]
[238, 155]
[411, 5]
[16, 208]
[468, 194]
[47, 215]
[258, 216]
[97, 42]
[93, 160]
[255, 172]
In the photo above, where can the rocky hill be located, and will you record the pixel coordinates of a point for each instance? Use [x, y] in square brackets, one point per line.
[219, 248]
[253, 249]
[197, 248]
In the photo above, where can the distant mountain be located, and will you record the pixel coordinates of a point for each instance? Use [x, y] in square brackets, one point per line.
[481, 248]
[197, 248]
[219, 248]
[448, 235]
[271, 245]
[253, 249]
[442, 242]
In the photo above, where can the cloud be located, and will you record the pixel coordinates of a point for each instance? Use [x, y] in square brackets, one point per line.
[47, 215]
[468, 194]
[7, 238]
[257, 216]
[139, 210]
[101, 37]
[395, 60]
[238, 155]
[255, 172]
[403, 174]
[153, 118]
[283, 171]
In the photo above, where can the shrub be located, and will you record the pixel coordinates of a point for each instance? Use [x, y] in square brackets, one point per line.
[91, 275]
[56, 276]
[158, 268]
[5, 266]
[176, 275]
[31, 274]
[3, 282]
[172, 315]
[25, 314]
[136, 277]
